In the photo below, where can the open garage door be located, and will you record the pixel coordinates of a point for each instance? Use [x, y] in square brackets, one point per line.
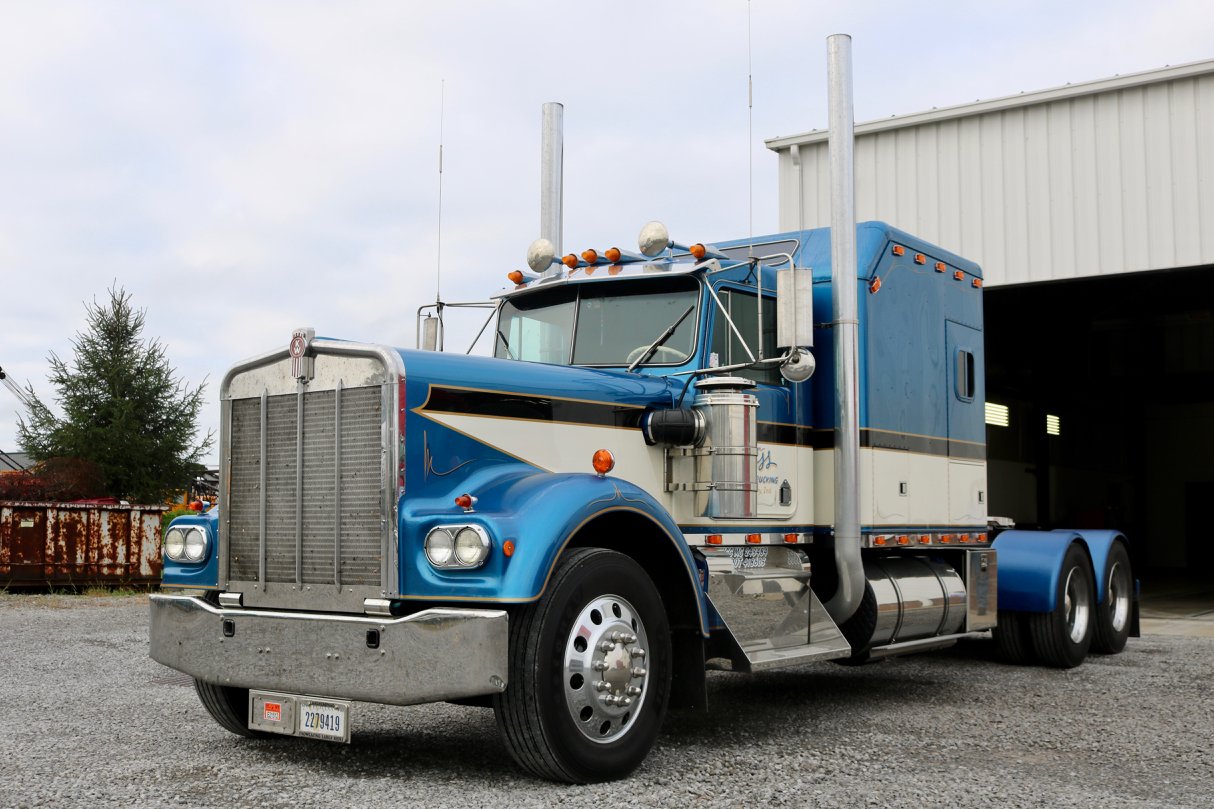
[1109, 389]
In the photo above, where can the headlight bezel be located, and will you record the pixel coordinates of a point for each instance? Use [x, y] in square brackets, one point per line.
[174, 543]
[442, 546]
[187, 544]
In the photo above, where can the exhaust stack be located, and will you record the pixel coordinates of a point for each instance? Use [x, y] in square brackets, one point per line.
[848, 562]
[552, 160]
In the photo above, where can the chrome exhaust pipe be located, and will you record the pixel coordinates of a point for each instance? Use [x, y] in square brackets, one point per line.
[552, 159]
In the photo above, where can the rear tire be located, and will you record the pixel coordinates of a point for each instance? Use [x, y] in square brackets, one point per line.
[229, 707]
[1013, 640]
[590, 667]
[1061, 638]
[1113, 615]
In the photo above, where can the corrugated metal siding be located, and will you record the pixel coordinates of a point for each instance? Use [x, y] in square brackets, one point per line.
[1116, 180]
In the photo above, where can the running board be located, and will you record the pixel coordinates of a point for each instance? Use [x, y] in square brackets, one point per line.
[771, 616]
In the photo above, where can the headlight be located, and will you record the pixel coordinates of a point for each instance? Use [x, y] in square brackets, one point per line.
[471, 547]
[195, 545]
[440, 546]
[457, 546]
[174, 544]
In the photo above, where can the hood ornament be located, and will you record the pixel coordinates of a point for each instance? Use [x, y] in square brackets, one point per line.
[303, 361]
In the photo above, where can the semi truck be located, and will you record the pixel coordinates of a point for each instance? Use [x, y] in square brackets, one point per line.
[744, 454]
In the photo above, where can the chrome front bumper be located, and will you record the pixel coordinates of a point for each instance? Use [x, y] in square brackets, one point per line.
[433, 655]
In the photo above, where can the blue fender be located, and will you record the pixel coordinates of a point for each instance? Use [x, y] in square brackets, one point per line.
[1100, 544]
[539, 512]
[203, 574]
[1030, 564]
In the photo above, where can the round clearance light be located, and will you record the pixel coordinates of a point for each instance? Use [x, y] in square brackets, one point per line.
[603, 461]
[174, 544]
[195, 545]
[515, 276]
[471, 547]
[440, 546]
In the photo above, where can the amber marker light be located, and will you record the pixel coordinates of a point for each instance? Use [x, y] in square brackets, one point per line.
[925, 539]
[516, 277]
[875, 286]
[977, 283]
[714, 539]
[903, 539]
[958, 275]
[613, 254]
[508, 547]
[920, 258]
[603, 461]
[698, 250]
[980, 538]
[879, 541]
[964, 537]
[791, 539]
[570, 261]
[754, 539]
[465, 501]
[940, 266]
[590, 256]
[946, 539]
[899, 250]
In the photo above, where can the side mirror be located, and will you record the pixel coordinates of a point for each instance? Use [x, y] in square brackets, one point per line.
[795, 322]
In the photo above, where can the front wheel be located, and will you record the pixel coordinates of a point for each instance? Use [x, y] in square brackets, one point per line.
[229, 707]
[1061, 638]
[589, 671]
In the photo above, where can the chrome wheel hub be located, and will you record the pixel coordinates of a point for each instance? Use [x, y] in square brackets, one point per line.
[1077, 604]
[1119, 597]
[605, 668]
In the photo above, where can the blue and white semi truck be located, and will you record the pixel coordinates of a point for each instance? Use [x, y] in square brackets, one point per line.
[678, 459]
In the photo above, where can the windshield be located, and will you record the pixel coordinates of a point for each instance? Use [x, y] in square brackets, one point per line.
[600, 324]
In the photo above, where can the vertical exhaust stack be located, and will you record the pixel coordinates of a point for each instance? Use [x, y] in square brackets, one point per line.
[552, 161]
[850, 592]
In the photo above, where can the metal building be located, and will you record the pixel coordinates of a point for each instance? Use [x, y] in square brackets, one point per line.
[1091, 210]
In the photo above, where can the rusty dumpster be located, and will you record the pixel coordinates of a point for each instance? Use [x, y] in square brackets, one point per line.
[45, 544]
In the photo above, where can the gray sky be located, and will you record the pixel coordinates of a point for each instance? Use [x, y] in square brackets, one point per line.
[243, 168]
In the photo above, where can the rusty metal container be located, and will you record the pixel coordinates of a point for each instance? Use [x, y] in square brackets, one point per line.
[79, 543]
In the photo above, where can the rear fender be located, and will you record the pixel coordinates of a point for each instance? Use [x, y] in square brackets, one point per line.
[1030, 564]
[1099, 544]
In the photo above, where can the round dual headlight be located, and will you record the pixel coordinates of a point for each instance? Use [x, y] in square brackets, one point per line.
[471, 547]
[457, 546]
[174, 544]
[440, 547]
[195, 545]
[186, 544]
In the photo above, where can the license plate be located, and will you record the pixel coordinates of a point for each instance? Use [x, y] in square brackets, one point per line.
[292, 715]
[324, 720]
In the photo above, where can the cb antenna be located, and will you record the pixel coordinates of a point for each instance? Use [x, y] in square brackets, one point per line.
[438, 279]
[750, 127]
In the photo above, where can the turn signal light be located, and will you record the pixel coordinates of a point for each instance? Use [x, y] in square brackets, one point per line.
[590, 256]
[465, 501]
[508, 547]
[603, 461]
[516, 277]
[613, 254]
[570, 261]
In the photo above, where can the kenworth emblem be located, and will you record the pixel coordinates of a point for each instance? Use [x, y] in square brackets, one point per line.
[302, 363]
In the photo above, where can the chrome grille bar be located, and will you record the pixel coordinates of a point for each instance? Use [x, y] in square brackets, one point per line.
[261, 553]
[337, 483]
[299, 476]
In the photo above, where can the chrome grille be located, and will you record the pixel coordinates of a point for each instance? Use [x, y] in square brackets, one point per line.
[307, 471]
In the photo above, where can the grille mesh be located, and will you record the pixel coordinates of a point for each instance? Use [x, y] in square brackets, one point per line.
[354, 509]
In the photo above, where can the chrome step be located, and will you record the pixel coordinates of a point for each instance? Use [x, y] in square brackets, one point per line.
[771, 615]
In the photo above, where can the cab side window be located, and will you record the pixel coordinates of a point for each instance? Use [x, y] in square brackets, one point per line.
[728, 349]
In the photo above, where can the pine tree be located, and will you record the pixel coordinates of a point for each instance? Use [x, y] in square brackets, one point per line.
[124, 408]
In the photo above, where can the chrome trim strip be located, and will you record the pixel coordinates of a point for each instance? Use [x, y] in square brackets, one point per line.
[261, 478]
[299, 476]
[337, 483]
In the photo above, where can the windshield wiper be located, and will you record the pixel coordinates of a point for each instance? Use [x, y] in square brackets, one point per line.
[658, 343]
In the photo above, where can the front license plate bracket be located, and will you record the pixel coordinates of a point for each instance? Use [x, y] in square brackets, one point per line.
[296, 715]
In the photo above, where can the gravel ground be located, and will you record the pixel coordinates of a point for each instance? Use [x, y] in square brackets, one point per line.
[90, 719]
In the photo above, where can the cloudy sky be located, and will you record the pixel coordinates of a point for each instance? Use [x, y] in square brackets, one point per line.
[243, 168]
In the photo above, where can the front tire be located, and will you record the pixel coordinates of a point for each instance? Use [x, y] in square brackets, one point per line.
[1061, 638]
[1113, 615]
[590, 670]
[229, 707]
